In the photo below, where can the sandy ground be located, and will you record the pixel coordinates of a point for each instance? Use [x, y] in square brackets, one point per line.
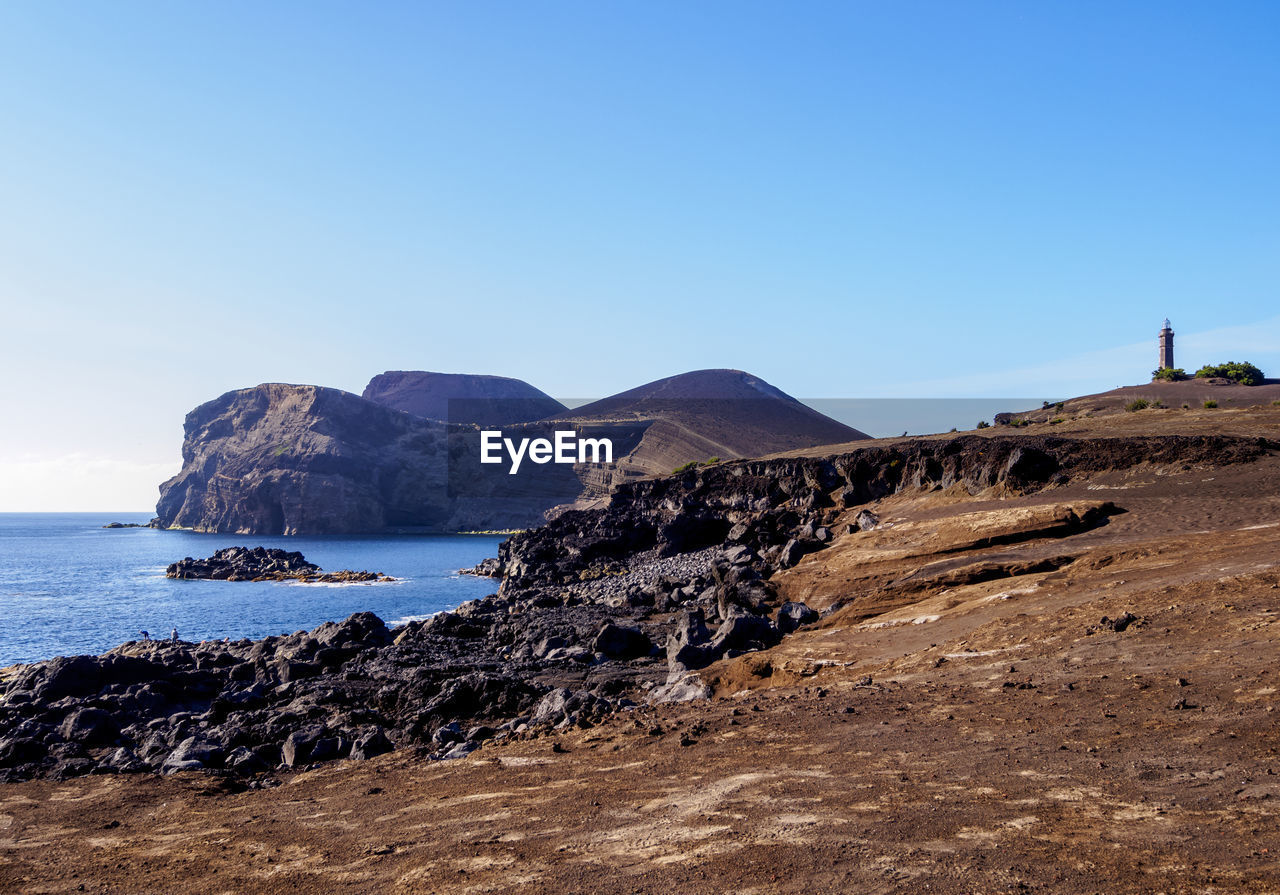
[935, 734]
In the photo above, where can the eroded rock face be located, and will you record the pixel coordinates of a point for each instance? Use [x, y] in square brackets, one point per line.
[301, 459]
[779, 508]
[289, 459]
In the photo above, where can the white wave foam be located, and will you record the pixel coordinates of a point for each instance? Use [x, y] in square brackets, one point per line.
[405, 619]
[294, 583]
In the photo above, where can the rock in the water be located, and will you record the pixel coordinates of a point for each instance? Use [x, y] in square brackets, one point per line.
[489, 567]
[262, 564]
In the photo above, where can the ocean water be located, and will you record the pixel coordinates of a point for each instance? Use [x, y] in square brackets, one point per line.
[69, 586]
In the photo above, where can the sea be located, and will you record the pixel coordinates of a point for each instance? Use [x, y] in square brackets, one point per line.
[68, 586]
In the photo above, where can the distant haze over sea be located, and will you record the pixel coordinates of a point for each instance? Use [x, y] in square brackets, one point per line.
[885, 417]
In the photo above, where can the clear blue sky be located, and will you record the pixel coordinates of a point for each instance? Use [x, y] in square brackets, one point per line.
[848, 199]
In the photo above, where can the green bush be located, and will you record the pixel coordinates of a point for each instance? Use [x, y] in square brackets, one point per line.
[983, 424]
[1210, 404]
[1137, 404]
[1058, 406]
[692, 464]
[1056, 420]
[713, 460]
[1169, 374]
[1244, 373]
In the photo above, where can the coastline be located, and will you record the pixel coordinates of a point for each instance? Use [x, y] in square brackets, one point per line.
[655, 588]
[70, 587]
[650, 669]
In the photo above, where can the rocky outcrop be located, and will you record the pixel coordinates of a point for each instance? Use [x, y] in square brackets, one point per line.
[292, 459]
[461, 397]
[300, 459]
[263, 564]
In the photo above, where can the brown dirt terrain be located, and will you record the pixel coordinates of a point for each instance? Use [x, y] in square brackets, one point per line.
[1188, 394]
[963, 721]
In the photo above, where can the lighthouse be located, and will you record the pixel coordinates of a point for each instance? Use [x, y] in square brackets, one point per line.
[1166, 346]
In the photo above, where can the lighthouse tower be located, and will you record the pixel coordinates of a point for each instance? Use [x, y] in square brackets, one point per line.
[1166, 346]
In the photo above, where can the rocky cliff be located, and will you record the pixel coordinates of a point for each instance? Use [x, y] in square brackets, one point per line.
[294, 459]
[780, 509]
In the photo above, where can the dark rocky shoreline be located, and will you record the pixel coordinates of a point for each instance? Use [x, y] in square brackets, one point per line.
[596, 611]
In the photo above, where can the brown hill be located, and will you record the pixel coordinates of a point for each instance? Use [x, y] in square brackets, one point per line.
[461, 397]
[725, 414]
